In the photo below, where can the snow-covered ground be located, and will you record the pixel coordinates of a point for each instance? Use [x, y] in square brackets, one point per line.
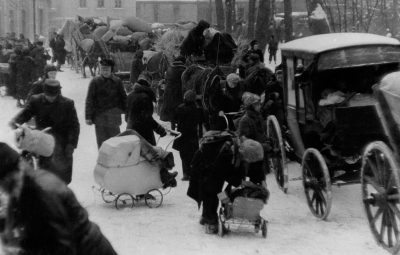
[174, 228]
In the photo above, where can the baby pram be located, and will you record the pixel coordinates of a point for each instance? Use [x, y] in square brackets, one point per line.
[129, 170]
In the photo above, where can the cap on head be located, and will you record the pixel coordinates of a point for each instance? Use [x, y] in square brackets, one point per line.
[9, 159]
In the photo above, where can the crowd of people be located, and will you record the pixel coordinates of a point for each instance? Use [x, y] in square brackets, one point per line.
[254, 92]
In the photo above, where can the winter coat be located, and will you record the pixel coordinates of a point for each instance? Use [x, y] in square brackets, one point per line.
[60, 115]
[104, 94]
[173, 90]
[193, 44]
[252, 126]
[273, 104]
[188, 117]
[272, 46]
[140, 113]
[24, 66]
[137, 68]
[257, 78]
[258, 52]
[59, 50]
[40, 60]
[50, 220]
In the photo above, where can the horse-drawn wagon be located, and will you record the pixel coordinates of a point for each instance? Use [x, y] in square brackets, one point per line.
[332, 114]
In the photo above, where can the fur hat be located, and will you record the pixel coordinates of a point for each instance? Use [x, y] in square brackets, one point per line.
[9, 159]
[250, 99]
[51, 87]
[251, 151]
[189, 96]
[232, 79]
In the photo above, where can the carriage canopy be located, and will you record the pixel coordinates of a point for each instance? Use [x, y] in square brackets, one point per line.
[344, 50]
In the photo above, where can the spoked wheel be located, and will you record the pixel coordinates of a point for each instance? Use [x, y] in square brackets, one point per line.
[317, 183]
[264, 228]
[154, 198]
[124, 200]
[107, 196]
[277, 161]
[381, 192]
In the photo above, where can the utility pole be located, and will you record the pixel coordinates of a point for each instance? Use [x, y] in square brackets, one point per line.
[34, 17]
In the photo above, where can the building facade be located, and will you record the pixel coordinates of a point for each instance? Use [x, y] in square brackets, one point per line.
[25, 17]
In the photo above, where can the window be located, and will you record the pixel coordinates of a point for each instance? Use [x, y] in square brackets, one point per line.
[82, 4]
[100, 3]
[118, 3]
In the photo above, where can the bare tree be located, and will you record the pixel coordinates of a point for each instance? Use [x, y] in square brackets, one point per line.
[263, 22]
[288, 20]
[251, 19]
[219, 10]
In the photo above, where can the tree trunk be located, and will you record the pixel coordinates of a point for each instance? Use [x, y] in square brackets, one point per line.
[251, 19]
[263, 23]
[288, 20]
[395, 18]
[229, 15]
[219, 10]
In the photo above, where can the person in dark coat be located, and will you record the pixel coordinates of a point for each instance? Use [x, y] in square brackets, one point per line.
[105, 102]
[12, 86]
[50, 72]
[188, 117]
[60, 52]
[252, 126]
[272, 48]
[257, 76]
[25, 67]
[40, 58]
[42, 215]
[136, 66]
[254, 49]
[140, 112]
[52, 110]
[173, 90]
[193, 44]
[273, 102]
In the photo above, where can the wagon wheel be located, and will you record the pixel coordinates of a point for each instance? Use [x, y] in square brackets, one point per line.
[380, 192]
[317, 183]
[277, 161]
[124, 200]
[264, 228]
[107, 196]
[154, 198]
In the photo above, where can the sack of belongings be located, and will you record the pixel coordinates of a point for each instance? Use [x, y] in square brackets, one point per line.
[36, 141]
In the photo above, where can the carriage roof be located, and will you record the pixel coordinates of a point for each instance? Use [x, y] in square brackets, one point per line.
[317, 44]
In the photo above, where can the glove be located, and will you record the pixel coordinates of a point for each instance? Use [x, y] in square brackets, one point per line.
[69, 150]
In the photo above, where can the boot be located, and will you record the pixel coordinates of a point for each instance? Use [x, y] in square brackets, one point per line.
[211, 228]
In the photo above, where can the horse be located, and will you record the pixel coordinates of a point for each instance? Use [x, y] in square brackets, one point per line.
[91, 59]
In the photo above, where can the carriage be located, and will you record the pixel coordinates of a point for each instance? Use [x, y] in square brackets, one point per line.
[331, 114]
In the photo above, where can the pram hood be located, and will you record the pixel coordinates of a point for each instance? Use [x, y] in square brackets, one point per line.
[120, 151]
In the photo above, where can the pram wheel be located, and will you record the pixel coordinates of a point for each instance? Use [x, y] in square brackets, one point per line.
[107, 196]
[154, 198]
[124, 200]
[264, 228]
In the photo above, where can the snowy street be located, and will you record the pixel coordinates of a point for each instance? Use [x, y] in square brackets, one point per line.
[174, 228]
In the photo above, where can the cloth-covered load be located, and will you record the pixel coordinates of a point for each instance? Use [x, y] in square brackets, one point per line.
[35, 141]
[120, 152]
[108, 36]
[4, 68]
[100, 31]
[86, 44]
[389, 87]
[136, 25]
[123, 31]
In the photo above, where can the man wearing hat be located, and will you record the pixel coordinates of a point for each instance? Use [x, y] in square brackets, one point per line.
[105, 102]
[41, 215]
[50, 72]
[51, 109]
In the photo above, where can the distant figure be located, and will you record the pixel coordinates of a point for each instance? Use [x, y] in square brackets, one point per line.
[136, 66]
[194, 42]
[272, 48]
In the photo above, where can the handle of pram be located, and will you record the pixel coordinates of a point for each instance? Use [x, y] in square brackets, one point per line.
[225, 114]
